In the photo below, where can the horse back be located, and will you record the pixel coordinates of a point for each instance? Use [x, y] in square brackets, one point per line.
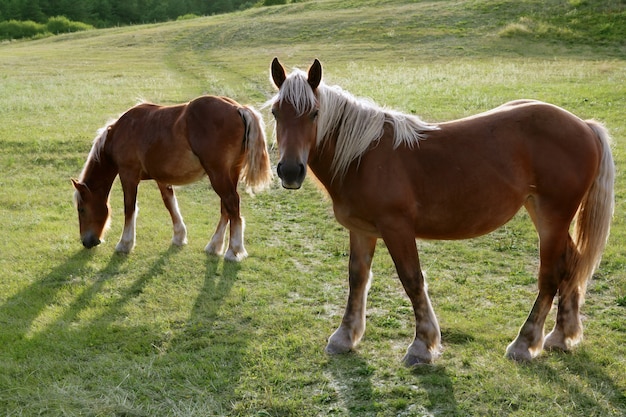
[157, 142]
[483, 167]
[539, 136]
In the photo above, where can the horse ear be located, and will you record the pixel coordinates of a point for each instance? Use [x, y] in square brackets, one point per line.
[278, 73]
[79, 186]
[315, 74]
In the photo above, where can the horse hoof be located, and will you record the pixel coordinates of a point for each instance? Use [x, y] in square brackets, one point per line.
[123, 247]
[214, 249]
[411, 360]
[178, 242]
[337, 349]
[557, 341]
[518, 354]
[235, 257]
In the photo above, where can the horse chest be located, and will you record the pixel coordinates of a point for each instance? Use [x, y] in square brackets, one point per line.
[351, 219]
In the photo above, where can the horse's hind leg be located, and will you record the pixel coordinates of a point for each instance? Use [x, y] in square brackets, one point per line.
[227, 191]
[169, 199]
[568, 329]
[352, 326]
[554, 247]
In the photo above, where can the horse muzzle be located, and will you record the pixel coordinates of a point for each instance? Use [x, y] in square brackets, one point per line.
[292, 174]
[90, 240]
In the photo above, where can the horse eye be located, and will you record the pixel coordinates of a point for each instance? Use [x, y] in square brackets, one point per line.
[274, 113]
[313, 114]
[81, 210]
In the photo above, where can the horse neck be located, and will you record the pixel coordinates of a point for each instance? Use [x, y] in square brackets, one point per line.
[99, 175]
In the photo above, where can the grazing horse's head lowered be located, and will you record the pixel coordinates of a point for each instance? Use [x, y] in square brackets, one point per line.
[94, 214]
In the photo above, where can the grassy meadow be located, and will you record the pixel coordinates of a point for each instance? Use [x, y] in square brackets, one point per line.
[168, 331]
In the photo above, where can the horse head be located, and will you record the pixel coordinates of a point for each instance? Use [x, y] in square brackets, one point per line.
[295, 109]
[94, 214]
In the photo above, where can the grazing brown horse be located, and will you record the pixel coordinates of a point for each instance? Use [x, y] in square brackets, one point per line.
[394, 177]
[174, 145]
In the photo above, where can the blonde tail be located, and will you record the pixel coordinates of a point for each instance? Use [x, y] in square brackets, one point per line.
[593, 220]
[257, 171]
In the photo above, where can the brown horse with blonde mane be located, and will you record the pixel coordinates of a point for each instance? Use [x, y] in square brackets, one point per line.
[175, 145]
[395, 177]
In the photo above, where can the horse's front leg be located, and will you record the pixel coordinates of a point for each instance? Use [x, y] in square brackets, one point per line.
[236, 250]
[216, 244]
[127, 240]
[426, 346]
[352, 327]
[169, 199]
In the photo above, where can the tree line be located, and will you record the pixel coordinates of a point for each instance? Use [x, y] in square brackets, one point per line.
[105, 13]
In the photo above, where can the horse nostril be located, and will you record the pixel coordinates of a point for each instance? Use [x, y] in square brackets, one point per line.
[90, 241]
[279, 170]
[302, 170]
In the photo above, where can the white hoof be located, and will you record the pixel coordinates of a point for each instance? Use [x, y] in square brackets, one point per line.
[214, 248]
[124, 247]
[235, 257]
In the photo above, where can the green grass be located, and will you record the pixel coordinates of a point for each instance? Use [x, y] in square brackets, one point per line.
[172, 332]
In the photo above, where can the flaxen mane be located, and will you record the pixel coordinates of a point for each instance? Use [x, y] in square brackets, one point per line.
[355, 122]
[94, 154]
[96, 147]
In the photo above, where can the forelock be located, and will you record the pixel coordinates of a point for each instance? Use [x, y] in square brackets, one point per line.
[297, 92]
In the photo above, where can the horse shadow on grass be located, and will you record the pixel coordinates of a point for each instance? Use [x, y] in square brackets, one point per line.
[583, 378]
[93, 339]
[427, 391]
[215, 343]
[20, 312]
[24, 309]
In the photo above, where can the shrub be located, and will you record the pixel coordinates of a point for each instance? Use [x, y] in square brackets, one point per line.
[187, 16]
[13, 29]
[61, 24]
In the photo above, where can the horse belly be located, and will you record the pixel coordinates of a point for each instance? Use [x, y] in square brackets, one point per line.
[458, 222]
[175, 168]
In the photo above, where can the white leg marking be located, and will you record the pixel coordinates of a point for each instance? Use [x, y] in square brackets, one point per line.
[180, 230]
[236, 251]
[216, 244]
[127, 241]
